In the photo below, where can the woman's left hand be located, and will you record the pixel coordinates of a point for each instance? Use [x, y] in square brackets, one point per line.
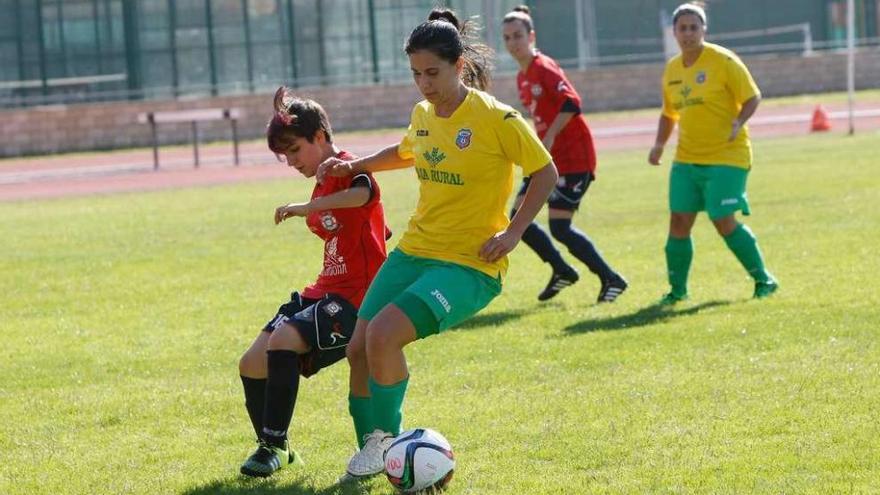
[735, 126]
[499, 245]
[333, 167]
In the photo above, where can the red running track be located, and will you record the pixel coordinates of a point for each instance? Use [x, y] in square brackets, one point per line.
[83, 174]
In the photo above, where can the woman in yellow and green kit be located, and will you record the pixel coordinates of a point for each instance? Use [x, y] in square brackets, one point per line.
[450, 262]
[709, 92]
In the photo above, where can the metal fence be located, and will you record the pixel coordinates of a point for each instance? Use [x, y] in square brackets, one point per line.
[62, 51]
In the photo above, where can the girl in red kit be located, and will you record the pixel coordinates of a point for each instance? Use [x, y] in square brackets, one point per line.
[556, 109]
[312, 330]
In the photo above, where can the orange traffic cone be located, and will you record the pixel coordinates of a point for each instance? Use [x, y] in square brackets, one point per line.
[820, 120]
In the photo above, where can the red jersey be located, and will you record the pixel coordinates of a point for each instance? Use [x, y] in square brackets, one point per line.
[543, 88]
[354, 240]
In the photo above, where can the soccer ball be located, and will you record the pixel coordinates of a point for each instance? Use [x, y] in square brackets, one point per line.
[419, 459]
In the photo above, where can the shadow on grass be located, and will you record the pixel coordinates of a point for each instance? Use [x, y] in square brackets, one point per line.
[491, 319]
[247, 486]
[645, 316]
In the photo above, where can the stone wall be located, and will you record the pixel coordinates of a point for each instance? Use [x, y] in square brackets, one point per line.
[65, 128]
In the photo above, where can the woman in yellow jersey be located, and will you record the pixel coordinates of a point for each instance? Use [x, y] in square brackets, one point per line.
[450, 262]
[709, 92]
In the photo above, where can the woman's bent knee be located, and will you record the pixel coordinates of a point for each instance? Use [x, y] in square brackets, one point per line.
[252, 364]
[382, 338]
[680, 224]
[355, 354]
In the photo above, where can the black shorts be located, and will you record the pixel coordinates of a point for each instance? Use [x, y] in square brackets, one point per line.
[326, 324]
[570, 188]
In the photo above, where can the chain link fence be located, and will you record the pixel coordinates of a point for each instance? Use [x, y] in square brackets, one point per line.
[68, 51]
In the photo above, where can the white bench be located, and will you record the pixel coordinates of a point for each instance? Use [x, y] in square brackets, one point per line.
[193, 117]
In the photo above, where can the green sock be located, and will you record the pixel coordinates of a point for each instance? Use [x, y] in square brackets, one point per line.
[745, 246]
[388, 404]
[679, 253]
[361, 410]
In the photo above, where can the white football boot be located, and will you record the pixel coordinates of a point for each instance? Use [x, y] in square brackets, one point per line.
[370, 460]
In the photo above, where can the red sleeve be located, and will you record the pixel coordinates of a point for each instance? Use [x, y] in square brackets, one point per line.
[366, 178]
[343, 183]
[334, 184]
[554, 83]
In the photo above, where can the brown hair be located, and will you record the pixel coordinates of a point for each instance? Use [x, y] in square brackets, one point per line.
[295, 117]
[446, 37]
[520, 13]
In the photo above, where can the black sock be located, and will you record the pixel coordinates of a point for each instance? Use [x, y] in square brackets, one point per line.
[581, 247]
[536, 238]
[281, 390]
[254, 400]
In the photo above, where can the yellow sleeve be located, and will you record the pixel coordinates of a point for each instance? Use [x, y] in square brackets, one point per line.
[405, 148]
[669, 110]
[520, 144]
[740, 81]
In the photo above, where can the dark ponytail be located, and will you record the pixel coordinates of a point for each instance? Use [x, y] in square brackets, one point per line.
[450, 39]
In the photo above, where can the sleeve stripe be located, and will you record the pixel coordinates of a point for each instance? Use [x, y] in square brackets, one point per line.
[363, 180]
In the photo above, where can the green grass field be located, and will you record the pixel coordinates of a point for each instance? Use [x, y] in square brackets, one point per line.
[123, 318]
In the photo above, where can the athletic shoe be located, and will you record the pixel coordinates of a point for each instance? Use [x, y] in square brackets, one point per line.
[612, 289]
[558, 281]
[672, 298]
[764, 289]
[267, 459]
[370, 460]
[350, 478]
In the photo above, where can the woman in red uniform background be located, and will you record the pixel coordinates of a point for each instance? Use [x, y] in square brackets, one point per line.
[556, 109]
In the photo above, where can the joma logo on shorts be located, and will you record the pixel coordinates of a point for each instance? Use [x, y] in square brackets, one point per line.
[440, 297]
[729, 201]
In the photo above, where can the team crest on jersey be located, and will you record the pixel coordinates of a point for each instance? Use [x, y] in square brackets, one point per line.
[463, 140]
[328, 221]
[701, 77]
[537, 90]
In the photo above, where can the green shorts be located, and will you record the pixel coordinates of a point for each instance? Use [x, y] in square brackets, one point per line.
[718, 189]
[434, 294]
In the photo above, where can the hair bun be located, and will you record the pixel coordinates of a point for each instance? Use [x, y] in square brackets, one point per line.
[445, 15]
[521, 8]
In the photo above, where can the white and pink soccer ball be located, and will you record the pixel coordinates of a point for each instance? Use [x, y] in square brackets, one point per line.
[418, 460]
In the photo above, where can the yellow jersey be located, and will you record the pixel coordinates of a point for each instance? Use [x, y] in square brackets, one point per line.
[704, 99]
[464, 164]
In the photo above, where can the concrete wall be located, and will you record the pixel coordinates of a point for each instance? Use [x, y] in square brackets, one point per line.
[114, 125]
